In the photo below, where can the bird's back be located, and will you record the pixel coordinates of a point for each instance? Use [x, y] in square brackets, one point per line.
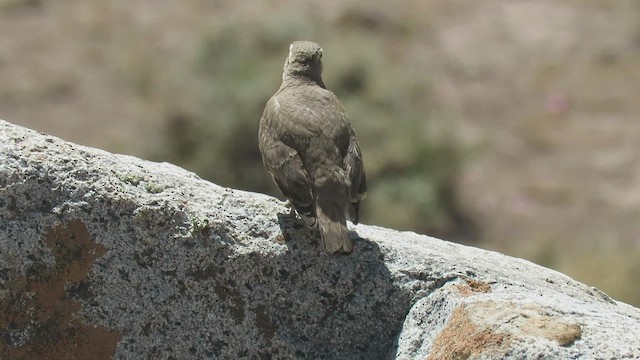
[312, 121]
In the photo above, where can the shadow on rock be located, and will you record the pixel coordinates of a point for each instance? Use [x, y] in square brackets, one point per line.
[307, 304]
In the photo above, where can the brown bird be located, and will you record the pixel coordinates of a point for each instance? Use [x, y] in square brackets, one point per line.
[310, 149]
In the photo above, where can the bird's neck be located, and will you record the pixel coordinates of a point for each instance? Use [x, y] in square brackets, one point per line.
[301, 80]
[302, 75]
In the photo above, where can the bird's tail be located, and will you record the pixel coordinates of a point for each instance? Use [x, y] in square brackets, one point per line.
[331, 218]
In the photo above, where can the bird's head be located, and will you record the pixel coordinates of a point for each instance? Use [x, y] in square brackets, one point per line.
[304, 62]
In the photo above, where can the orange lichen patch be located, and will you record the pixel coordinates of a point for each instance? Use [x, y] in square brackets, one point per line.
[471, 329]
[566, 335]
[280, 239]
[533, 320]
[471, 286]
[38, 319]
[462, 338]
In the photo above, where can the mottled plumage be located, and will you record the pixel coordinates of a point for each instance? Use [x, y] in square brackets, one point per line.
[310, 149]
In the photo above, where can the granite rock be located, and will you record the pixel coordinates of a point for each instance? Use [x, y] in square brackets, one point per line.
[110, 256]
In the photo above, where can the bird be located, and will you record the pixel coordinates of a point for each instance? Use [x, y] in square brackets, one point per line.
[311, 150]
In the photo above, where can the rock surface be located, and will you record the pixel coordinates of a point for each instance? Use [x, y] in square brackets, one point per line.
[110, 256]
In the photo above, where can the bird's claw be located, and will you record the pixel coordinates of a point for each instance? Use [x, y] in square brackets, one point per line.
[289, 205]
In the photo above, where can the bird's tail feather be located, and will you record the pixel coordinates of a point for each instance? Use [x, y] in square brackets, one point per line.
[330, 213]
[335, 237]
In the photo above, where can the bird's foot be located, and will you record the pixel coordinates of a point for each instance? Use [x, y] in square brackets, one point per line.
[289, 205]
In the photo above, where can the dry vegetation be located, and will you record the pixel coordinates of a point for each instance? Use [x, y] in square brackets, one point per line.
[510, 124]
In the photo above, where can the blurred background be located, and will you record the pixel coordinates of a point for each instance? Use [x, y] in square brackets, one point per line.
[508, 125]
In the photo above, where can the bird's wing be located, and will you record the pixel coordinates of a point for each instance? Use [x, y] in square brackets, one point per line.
[285, 166]
[355, 173]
